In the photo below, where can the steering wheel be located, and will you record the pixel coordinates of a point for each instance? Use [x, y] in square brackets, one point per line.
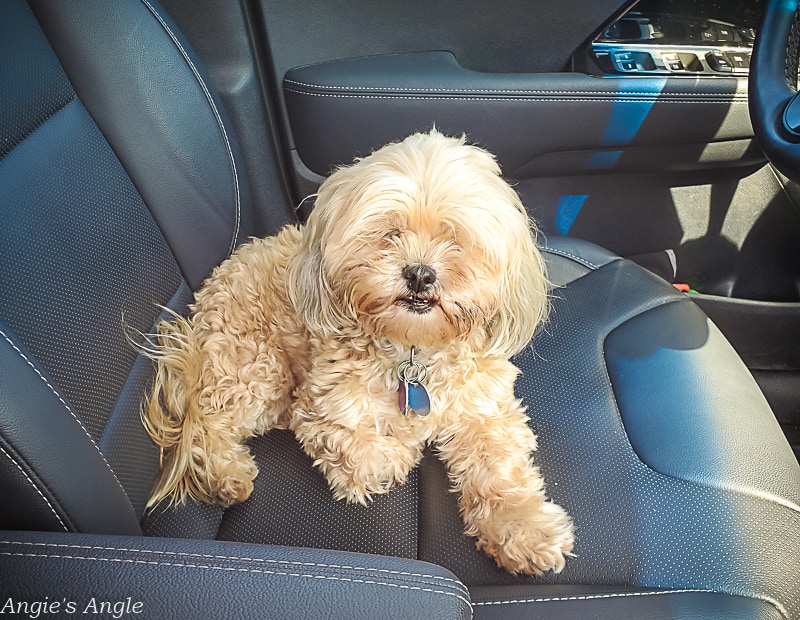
[773, 95]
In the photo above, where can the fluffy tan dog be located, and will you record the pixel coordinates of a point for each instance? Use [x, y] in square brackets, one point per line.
[383, 324]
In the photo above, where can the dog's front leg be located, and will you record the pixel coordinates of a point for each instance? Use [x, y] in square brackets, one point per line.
[487, 447]
[362, 444]
[357, 462]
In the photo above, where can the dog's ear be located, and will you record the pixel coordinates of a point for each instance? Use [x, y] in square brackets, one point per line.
[308, 286]
[523, 301]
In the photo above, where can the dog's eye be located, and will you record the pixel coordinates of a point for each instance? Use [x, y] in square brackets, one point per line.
[394, 233]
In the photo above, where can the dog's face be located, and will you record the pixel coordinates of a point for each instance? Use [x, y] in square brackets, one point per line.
[422, 243]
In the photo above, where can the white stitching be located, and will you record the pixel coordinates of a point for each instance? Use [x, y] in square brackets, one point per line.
[241, 570]
[589, 597]
[574, 257]
[69, 409]
[216, 115]
[531, 91]
[656, 98]
[455, 582]
[47, 383]
[36, 488]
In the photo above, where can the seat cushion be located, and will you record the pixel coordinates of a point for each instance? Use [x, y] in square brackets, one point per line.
[683, 506]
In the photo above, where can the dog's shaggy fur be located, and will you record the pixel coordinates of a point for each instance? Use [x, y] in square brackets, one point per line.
[306, 330]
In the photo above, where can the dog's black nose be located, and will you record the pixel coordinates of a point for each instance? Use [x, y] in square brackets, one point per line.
[420, 277]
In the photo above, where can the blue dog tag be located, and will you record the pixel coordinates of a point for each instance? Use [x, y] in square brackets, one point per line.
[413, 397]
[418, 399]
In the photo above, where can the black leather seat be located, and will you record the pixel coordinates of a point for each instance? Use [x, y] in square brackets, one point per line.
[121, 186]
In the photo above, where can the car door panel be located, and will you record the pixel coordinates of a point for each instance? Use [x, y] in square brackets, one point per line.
[529, 36]
[536, 123]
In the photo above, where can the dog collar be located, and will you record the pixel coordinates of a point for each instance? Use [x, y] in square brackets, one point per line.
[412, 397]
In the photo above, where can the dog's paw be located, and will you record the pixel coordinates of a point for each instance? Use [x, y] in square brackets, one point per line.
[231, 491]
[529, 542]
[234, 483]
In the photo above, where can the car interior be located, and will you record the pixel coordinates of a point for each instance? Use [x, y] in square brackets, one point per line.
[656, 144]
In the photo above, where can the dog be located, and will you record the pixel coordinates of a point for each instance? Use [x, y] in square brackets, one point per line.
[382, 325]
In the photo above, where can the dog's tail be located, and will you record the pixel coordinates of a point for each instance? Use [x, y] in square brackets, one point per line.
[170, 413]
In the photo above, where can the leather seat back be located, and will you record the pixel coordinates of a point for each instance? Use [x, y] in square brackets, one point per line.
[118, 195]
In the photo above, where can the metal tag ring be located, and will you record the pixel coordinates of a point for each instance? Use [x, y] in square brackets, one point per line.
[412, 372]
